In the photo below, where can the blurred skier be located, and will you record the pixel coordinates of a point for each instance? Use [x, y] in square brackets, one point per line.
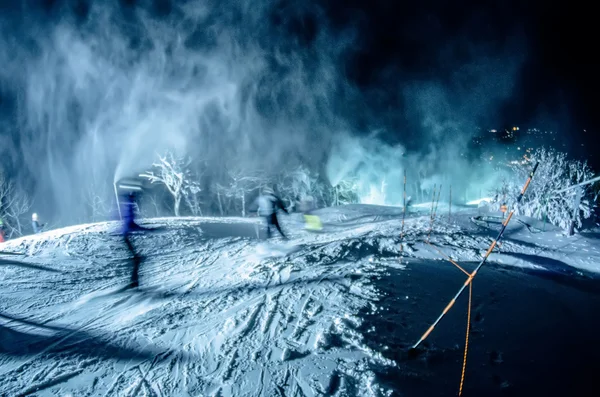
[268, 205]
[409, 202]
[35, 224]
[305, 206]
[128, 214]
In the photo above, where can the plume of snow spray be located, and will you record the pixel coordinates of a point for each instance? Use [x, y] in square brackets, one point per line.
[99, 97]
[441, 118]
[100, 90]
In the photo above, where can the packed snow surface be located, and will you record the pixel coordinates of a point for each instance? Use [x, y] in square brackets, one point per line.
[221, 312]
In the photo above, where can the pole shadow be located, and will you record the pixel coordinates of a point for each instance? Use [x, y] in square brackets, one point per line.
[64, 341]
[26, 265]
[151, 293]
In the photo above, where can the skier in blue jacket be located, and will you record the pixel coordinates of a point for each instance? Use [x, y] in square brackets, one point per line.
[128, 218]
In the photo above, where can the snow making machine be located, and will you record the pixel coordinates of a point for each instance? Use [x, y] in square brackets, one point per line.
[125, 186]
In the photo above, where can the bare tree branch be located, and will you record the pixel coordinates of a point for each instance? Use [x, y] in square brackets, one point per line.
[175, 174]
[14, 204]
[242, 182]
[97, 202]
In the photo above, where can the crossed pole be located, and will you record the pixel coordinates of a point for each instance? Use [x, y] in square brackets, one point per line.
[472, 275]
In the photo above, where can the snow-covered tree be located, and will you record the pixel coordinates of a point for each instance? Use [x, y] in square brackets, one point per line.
[543, 199]
[176, 175]
[503, 192]
[299, 183]
[221, 195]
[192, 199]
[345, 192]
[193, 193]
[154, 203]
[98, 199]
[241, 183]
[14, 205]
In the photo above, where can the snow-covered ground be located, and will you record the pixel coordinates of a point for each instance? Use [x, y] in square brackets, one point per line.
[222, 313]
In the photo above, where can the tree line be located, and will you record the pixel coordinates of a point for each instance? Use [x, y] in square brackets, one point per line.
[183, 186]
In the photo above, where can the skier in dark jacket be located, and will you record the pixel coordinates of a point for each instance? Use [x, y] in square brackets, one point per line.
[128, 217]
[268, 205]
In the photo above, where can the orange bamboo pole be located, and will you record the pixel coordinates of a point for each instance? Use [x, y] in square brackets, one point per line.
[472, 275]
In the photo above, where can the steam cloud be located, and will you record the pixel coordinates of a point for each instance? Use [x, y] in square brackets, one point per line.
[97, 92]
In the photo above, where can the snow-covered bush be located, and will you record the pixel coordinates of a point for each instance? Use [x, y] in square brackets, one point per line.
[543, 199]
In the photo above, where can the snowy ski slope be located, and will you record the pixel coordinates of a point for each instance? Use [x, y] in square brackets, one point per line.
[220, 313]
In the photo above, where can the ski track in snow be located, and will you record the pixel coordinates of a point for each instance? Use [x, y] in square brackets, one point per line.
[221, 320]
[213, 316]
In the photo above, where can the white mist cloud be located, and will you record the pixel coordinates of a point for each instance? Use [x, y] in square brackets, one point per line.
[377, 166]
[99, 99]
[221, 81]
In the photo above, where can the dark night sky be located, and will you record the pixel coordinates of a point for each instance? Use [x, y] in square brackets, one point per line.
[407, 38]
[558, 81]
[555, 84]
